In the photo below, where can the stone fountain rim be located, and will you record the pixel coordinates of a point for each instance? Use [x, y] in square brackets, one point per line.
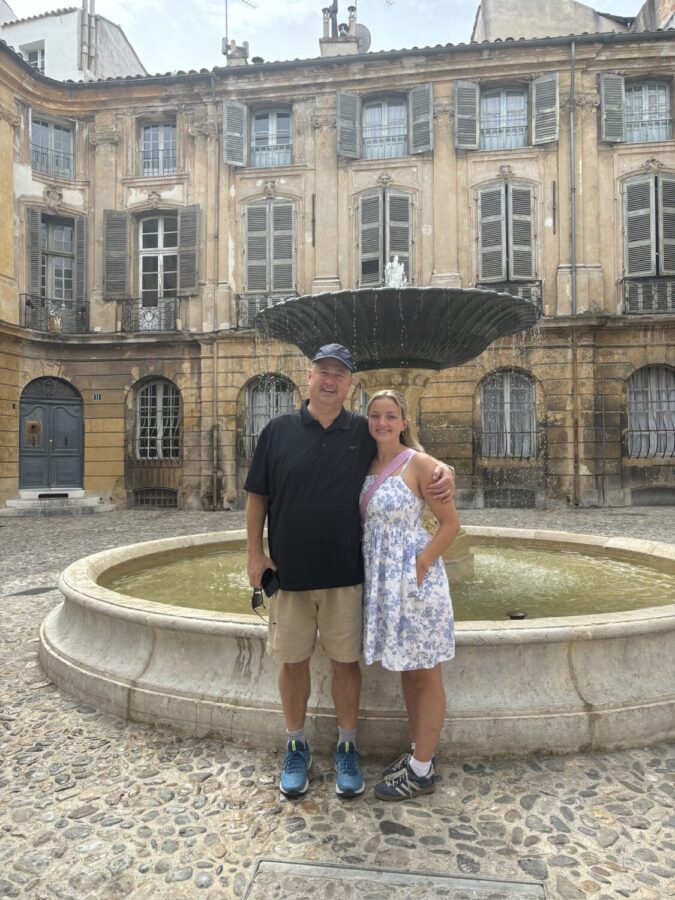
[78, 583]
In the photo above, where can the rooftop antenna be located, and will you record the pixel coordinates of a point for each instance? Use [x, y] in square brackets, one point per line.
[226, 42]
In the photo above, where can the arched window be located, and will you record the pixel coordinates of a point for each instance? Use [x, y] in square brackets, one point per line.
[508, 415]
[158, 420]
[267, 396]
[651, 412]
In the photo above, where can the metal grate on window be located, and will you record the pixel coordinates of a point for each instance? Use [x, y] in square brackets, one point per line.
[158, 423]
[158, 498]
[508, 498]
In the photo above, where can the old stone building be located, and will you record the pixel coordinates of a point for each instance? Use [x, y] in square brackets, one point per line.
[131, 267]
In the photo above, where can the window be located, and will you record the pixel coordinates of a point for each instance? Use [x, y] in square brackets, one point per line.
[651, 412]
[270, 142]
[174, 234]
[497, 118]
[508, 415]
[383, 128]
[158, 421]
[635, 111]
[269, 247]
[384, 232]
[158, 150]
[267, 396]
[271, 138]
[35, 56]
[52, 148]
[58, 258]
[158, 272]
[649, 243]
[506, 249]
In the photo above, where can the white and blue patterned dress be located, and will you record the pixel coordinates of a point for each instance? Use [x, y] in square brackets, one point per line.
[404, 627]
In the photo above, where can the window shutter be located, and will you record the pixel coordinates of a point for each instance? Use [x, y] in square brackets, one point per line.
[521, 232]
[421, 118]
[115, 253]
[81, 260]
[188, 250]
[370, 227]
[467, 98]
[667, 225]
[234, 133]
[34, 251]
[545, 109]
[612, 101]
[348, 120]
[398, 229]
[492, 233]
[256, 248]
[639, 226]
[282, 247]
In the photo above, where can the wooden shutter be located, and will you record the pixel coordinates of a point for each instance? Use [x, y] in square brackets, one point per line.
[521, 232]
[639, 226]
[234, 133]
[34, 267]
[256, 248]
[666, 224]
[282, 247]
[421, 118]
[348, 121]
[398, 229]
[545, 109]
[370, 228]
[115, 255]
[612, 103]
[188, 251]
[492, 233]
[467, 99]
[81, 260]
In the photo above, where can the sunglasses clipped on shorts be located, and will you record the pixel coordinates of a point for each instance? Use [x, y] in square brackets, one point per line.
[270, 585]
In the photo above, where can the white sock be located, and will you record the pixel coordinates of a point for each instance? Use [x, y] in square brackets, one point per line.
[421, 769]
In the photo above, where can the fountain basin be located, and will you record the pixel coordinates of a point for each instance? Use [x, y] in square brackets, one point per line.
[535, 686]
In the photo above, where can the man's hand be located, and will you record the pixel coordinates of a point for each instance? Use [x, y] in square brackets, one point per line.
[442, 486]
[256, 565]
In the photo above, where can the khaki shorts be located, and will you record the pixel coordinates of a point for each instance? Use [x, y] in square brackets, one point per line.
[295, 617]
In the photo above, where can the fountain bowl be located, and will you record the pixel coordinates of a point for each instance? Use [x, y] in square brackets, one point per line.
[552, 685]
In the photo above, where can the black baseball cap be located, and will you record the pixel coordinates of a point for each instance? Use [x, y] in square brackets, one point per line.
[336, 351]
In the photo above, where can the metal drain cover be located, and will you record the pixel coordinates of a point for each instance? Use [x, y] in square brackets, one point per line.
[283, 880]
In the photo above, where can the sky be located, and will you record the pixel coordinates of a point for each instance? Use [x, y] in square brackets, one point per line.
[183, 34]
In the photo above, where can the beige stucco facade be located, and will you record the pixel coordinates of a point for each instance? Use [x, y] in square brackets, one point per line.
[580, 358]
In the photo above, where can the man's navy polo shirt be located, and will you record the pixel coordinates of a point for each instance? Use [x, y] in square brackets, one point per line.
[312, 477]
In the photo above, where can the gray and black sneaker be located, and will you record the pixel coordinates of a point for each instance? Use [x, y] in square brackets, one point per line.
[399, 763]
[404, 784]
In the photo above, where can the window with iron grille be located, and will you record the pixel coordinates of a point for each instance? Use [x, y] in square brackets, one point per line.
[385, 127]
[158, 149]
[503, 119]
[508, 415]
[651, 412]
[635, 111]
[51, 148]
[157, 498]
[158, 270]
[271, 138]
[158, 420]
[649, 243]
[267, 396]
[384, 232]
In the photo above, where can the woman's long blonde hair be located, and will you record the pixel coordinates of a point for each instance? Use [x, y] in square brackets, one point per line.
[406, 438]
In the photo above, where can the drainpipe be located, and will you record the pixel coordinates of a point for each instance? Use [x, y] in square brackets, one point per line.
[573, 254]
[214, 483]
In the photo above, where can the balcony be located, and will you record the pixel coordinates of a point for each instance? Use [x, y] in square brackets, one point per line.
[163, 316]
[154, 163]
[271, 155]
[384, 141]
[649, 296]
[249, 305]
[658, 128]
[527, 290]
[54, 316]
[56, 163]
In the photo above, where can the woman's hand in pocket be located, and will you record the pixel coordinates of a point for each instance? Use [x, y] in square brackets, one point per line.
[422, 568]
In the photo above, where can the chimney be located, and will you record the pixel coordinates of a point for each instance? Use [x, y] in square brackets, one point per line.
[326, 22]
[236, 55]
[338, 40]
[352, 20]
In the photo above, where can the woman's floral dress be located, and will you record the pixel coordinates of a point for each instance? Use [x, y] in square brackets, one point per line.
[404, 627]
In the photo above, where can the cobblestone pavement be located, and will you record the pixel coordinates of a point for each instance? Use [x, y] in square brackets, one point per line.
[94, 806]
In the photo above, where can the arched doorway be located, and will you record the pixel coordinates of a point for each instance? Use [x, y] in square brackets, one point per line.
[51, 436]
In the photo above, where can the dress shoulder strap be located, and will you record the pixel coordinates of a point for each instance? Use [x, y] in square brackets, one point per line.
[402, 457]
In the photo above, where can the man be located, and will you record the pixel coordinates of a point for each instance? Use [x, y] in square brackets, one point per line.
[305, 478]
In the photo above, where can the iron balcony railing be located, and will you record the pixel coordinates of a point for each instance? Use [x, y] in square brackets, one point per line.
[139, 315]
[51, 162]
[502, 137]
[658, 128]
[656, 443]
[510, 444]
[527, 290]
[647, 296]
[271, 155]
[54, 316]
[249, 305]
[384, 141]
[157, 162]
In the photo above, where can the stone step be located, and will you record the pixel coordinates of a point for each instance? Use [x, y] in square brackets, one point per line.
[53, 502]
[80, 506]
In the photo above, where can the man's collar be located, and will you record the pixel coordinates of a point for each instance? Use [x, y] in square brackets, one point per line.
[342, 421]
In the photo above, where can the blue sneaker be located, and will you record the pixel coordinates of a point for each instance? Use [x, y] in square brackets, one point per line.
[295, 772]
[348, 778]
[404, 785]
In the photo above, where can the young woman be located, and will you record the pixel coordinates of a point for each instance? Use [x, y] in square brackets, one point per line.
[407, 618]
